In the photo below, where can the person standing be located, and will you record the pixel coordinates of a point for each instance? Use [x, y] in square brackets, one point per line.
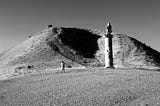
[62, 66]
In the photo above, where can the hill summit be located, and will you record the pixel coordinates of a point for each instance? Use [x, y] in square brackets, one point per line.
[78, 48]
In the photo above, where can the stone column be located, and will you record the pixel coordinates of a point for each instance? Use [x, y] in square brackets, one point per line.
[108, 47]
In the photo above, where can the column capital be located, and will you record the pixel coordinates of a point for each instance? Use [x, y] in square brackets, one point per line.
[109, 28]
[108, 32]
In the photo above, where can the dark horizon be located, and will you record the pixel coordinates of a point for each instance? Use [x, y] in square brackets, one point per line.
[20, 18]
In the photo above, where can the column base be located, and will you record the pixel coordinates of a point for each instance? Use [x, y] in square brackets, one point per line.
[111, 67]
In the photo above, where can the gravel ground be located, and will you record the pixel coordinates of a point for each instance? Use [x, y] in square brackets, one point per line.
[83, 87]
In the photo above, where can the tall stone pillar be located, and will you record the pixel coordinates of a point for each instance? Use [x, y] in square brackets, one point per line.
[108, 47]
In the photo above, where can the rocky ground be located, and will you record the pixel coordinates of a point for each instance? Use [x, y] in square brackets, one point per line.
[83, 87]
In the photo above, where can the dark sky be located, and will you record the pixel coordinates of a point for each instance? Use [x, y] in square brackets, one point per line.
[137, 18]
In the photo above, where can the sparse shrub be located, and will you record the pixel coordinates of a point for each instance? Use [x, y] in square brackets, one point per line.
[69, 66]
[49, 26]
[30, 67]
[29, 36]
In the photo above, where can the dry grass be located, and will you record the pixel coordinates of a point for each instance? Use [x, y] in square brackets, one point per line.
[83, 87]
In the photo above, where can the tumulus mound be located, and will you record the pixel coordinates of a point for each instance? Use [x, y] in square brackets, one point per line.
[78, 48]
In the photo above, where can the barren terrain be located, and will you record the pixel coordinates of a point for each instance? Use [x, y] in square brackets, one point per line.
[83, 87]
[30, 74]
[78, 48]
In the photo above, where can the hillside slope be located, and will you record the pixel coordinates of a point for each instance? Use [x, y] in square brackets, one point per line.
[77, 47]
[131, 53]
[35, 51]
